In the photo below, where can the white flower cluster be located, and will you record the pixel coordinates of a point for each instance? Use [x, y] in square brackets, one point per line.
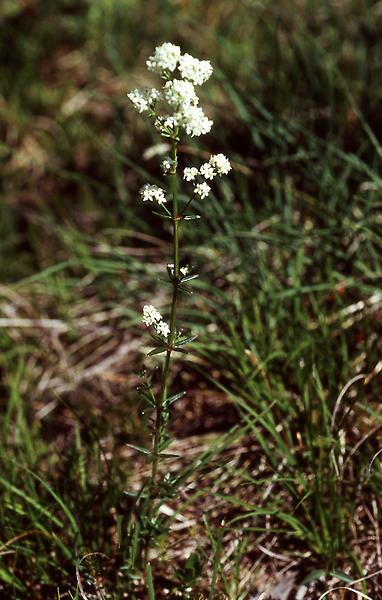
[194, 121]
[220, 163]
[202, 189]
[168, 165]
[217, 165]
[153, 318]
[195, 70]
[152, 193]
[189, 116]
[207, 171]
[144, 98]
[165, 58]
[179, 94]
[168, 56]
[190, 173]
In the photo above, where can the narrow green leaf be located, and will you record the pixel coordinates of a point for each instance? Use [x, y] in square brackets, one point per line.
[185, 341]
[189, 278]
[138, 494]
[161, 215]
[184, 289]
[168, 455]
[148, 399]
[174, 398]
[149, 582]
[140, 449]
[57, 498]
[342, 576]
[157, 351]
[313, 576]
[31, 501]
[11, 579]
[156, 337]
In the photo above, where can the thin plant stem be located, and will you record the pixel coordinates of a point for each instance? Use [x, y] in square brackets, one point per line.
[175, 285]
[160, 405]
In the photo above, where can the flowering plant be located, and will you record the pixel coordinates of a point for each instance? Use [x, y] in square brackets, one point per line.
[174, 110]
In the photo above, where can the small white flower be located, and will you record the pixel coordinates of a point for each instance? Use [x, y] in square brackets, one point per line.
[217, 165]
[207, 171]
[178, 92]
[193, 119]
[143, 98]
[165, 57]
[162, 328]
[151, 315]
[168, 165]
[184, 270]
[163, 124]
[195, 70]
[220, 163]
[151, 193]
[170, 121]
[202, 189]
[189, 173]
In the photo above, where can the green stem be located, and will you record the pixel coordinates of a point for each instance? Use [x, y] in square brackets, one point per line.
[171, 337]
